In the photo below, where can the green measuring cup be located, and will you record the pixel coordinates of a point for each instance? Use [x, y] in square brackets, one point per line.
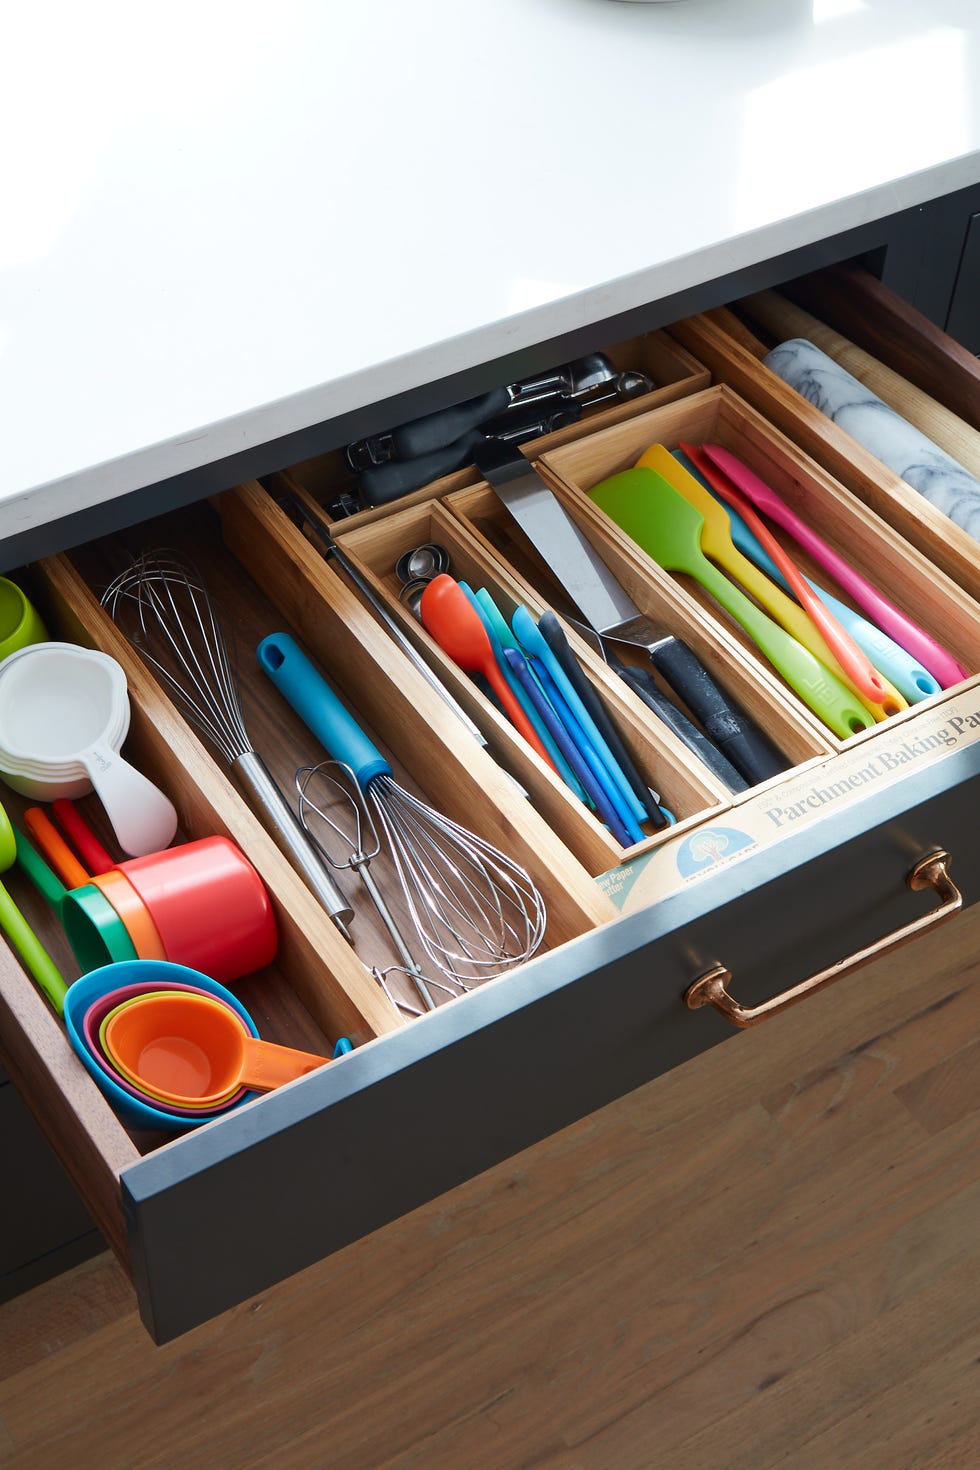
[94, 930]
[36, 958]
[668, 528]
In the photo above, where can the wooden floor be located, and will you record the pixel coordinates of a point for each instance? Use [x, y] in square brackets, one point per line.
[770, 1257]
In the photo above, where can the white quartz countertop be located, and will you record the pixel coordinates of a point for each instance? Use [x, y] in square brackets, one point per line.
[226, 222]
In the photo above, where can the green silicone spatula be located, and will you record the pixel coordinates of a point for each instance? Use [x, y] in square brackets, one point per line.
[668, 528]
[717, 543]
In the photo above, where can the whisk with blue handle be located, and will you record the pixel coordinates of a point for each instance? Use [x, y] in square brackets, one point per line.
[476, 912]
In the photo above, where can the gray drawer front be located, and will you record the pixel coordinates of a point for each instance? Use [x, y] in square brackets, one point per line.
[229, 1211]
[963, 322]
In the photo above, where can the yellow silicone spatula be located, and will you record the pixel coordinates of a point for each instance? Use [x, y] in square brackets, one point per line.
[668, 528]
[716, 542]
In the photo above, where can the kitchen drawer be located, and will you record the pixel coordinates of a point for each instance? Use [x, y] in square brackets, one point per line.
[864, 312]
[208, 1218]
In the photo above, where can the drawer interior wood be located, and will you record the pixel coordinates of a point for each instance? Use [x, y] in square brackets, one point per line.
[685, 787]
[674, 371]
[869, 545]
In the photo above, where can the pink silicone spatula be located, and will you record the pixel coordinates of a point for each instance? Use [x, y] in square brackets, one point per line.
[939, 662]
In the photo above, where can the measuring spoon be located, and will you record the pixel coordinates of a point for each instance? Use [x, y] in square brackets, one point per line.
[717, 542]
[668, 528]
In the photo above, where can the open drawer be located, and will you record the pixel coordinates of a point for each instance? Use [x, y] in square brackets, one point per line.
[210, 1217]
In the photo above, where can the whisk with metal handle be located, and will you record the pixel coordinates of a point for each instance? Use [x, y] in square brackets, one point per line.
[318, 790]
[162, 606]
[476, 912]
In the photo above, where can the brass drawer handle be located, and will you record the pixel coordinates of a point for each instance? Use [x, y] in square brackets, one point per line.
[709, 989]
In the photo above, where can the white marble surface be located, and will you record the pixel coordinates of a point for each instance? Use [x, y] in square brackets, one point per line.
[897, 443]
[225, 222]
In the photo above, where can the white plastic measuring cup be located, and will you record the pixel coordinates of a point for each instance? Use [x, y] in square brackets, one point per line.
[64, 713]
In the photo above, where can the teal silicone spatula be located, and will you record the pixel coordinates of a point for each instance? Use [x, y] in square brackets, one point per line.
[668, 528]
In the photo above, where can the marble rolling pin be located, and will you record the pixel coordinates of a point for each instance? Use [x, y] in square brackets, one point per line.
[901, 427]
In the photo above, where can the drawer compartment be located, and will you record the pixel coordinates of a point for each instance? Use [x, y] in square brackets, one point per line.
[868, 545]
[675, 373]
[862, 311]
[685, 787]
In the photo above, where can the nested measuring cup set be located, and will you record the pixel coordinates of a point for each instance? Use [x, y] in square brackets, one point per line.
[159, 933]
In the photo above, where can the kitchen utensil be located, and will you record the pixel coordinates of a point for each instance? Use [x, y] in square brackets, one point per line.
[913, 682]
[113, 885]
[595, 750]
[20, 622]
[306, 514]
[172, 623]
[455, 625]
[502, 638]
[60, 706]
[95, 1015]
[569, 747]
[113, 977]
[810, 624]
[318, 789]
[891, 619]
[37, 961]
[476, 912]
[668, 528]
[605, 606]
[94, 856]
[553, 634]
[94, 929]
[203, 904]
[422, 563]
[185, 1049]
[151, 1094]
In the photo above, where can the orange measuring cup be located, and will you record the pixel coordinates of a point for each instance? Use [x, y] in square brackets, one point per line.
[187, 1050]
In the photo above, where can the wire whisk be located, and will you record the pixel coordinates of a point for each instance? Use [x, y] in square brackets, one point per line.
[474, 910]
[162, 606]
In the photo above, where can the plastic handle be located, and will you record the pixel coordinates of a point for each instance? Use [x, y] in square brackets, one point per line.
[51, 889]
[84, 840]
[554, 635]
[821, 690]
[143, 819]
[567, 745]
[811, 623]
[936, 659]
[643, 685]
[38, 962]
[381, 484]
[266, 1066]
[435, 430]
[304, 687]
[913, 682]
[54, 848]
[533, 641]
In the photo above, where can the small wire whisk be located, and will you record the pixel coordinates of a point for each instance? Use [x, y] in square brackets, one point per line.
[475, 911]
[162, 606]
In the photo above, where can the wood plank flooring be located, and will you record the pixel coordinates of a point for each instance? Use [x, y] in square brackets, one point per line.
[769, 1258]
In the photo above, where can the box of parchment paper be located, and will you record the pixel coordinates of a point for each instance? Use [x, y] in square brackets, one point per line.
[781, 809]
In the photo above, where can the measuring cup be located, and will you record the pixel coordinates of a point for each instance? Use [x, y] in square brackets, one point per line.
[183, 1049]
[104, 1010]
[61, 712]
[110, 979]
[20, 622]
[36, 958]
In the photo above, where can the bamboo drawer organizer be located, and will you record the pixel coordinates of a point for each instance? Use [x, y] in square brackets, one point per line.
[599, 1010]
